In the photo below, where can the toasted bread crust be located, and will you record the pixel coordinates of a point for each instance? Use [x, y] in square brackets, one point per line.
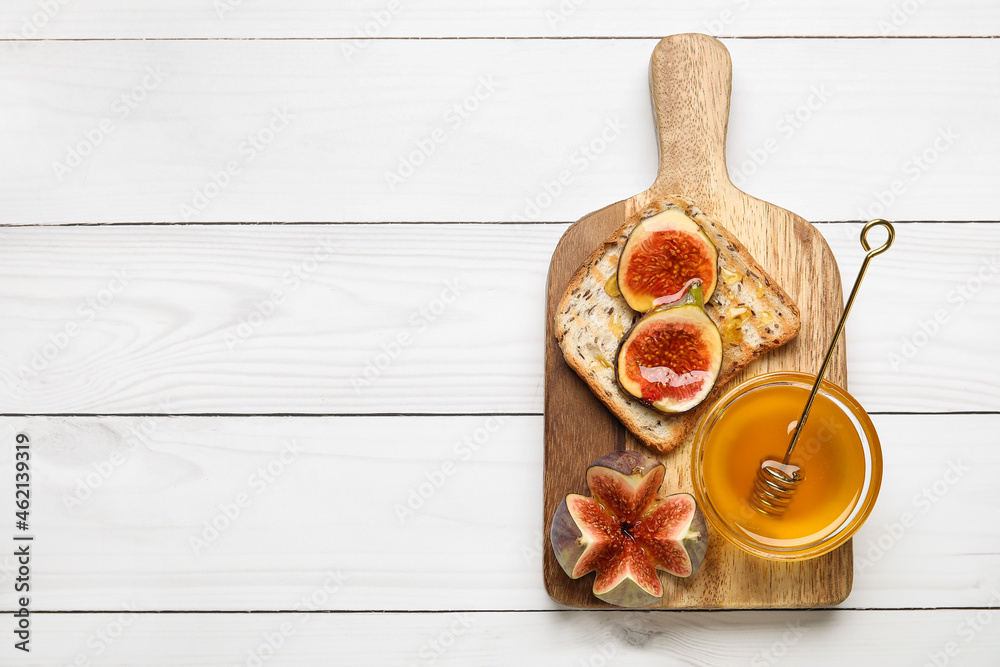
[589, 323]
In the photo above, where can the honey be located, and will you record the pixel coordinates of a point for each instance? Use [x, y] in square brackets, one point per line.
[729, 276]
[837, 453]
[615, 326]
[611, 286]
[732, 325]
[600, 361]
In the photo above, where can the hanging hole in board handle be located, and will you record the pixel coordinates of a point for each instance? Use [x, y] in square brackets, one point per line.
[878, 222]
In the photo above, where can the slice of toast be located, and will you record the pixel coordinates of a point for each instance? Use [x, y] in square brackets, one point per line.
[752, 312]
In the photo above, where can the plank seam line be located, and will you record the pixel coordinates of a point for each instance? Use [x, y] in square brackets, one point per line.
[151, 612]
[476, 38]
[272, 414]
[396, 414]
[290, 223]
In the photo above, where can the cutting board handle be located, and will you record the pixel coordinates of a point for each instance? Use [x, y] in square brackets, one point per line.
[691, 78]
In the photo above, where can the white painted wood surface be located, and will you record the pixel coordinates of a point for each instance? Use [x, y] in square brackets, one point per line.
[20, 19]
[897, 127]
[335, 319]
[416, 513]
[826, 637]
[826, 128]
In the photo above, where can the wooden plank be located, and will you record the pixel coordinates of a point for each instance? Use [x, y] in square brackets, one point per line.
[492, 18]
[332, 513]
[380, 505]
[197, 325]
[251, 131]
[311, 319]
[594, 638]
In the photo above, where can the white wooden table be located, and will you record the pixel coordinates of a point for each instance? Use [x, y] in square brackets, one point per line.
[271, 300]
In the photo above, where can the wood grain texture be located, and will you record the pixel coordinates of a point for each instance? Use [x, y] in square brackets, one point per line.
[803, 111]
[154, 482]
[275, 319]
[566, 638]
[161, 339]
[690, 81]
[164, 337]
[489, 18]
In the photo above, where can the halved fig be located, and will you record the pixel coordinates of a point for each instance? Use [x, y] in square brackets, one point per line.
[671, 357]
[662, 254]
[627, 531]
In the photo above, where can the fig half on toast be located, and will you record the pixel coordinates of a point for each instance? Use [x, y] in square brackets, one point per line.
[671, 358]
[662, 255]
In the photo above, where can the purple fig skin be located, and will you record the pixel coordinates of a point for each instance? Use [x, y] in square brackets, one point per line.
[626, 462]
[628, 594]
[564, 536]
[695, 546]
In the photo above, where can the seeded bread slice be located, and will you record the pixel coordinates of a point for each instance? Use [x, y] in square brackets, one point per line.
[752, 312]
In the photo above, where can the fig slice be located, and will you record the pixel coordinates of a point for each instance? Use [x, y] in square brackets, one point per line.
[662, 254]
[627, 531]
[672, 356]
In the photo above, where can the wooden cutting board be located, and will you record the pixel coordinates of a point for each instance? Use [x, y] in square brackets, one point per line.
[690, 81]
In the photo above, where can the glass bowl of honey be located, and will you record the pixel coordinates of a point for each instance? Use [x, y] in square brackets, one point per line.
[838, 454]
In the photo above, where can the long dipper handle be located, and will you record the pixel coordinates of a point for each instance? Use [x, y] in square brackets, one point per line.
[843, 320]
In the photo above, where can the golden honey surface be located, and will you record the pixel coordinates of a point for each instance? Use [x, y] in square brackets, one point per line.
[758, 426]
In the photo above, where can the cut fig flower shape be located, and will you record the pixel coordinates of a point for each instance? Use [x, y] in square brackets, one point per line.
[627, 531]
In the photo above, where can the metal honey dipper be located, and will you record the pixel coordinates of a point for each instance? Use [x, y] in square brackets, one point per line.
[777, 481]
